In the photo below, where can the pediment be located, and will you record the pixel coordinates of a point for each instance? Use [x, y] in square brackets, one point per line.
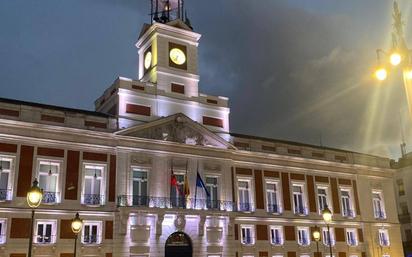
[177, 128]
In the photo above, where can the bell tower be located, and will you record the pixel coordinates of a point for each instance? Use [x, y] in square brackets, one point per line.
[168, 55]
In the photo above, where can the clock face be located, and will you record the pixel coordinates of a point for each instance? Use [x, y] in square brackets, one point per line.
[177, 56]
[148, 60]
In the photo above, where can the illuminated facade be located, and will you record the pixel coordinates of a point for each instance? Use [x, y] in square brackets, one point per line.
[123, 167]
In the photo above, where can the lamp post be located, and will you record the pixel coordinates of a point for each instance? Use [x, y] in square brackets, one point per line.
[34, 197]
[327, 217]
[399, 56]
[77, 225]
[316, 236]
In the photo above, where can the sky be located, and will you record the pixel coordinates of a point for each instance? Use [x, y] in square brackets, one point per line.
[298, 70]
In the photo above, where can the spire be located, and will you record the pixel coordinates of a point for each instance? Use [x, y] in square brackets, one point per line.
[398, 39]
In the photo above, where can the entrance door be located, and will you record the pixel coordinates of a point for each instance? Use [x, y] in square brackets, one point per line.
[178, 245]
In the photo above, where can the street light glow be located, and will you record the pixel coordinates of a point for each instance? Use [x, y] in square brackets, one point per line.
[395, 59]
[408, 74]
[381, 74]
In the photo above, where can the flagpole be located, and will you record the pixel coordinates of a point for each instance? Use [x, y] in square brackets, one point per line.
[197, 174]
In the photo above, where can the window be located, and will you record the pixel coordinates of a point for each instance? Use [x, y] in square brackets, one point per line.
[93, 189]
[276, 235]
[6, 165]
[323, 198]
[247, 235]
[386, 255]
[3, 231]
[272, 197]
[92, 231]
[298, 200]
[384, 237]
[378, 205]
[401, 188]
[6, 183]
[49, 180]
[347, 208]
[45, 232]
[177, 195]
[277, 255]
[404, 208]
[244, 195]
[353, 256]
[212, 187]
[303, 236]
[351, 237]
[139, 180]
[305, 255]
[328, 238]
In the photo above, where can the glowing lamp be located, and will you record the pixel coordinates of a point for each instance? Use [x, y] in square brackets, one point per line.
[395, 59]
[381, 74]
[77, 224]
[327, 215]
[316, 234]
[35, 195]
[408, 74]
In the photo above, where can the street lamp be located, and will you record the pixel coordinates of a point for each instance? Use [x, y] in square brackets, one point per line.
[34, 197]
[77, 225]
[327, 217]
[398, 56]
[316, 236]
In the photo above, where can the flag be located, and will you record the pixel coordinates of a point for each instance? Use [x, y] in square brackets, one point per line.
[187, 189]
[186, 185]
[199, 183]
[173, 181]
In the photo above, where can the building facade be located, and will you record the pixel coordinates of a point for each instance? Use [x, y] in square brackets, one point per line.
[132, 169]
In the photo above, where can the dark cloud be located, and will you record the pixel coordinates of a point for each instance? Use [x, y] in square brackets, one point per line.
[293, 69]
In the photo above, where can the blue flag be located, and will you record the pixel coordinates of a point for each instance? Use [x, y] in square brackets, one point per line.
[199, 183]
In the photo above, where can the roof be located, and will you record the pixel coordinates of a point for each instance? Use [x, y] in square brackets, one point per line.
[54, 107]
[281, 141]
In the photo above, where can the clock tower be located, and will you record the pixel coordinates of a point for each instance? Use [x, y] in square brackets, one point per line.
[168, 78]
[168, 50]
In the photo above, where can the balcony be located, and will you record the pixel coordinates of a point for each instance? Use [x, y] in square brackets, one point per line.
[245, 207]
[5, 194]
[380, 215]
[348, 213]
[274, 209]
[49, 197]
[173, 202]
[45, 239]
[301, 211]
[93, 199]
[91, 239]
[277, 241]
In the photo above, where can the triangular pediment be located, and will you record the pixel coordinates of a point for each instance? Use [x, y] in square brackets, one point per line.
[177, 128]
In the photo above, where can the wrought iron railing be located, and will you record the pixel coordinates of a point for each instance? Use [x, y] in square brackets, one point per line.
[5, 194]
[174, 202]
[92, 199]
[245, 207]
[274, 208]
[90, 239]
[277, 241]
[49, 197]
[44, 239]
[380, 214]
[348, 213]
[301, 210]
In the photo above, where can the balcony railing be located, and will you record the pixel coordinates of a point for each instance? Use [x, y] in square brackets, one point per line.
[300, 210]
[274, 208]
[277, 241]
[348, 213]
[304, 241]
[245, 207]
[380, 214]
[44, 239]
[93, 199]
[174, 202]
[5, 194]
[248, 240]
[49, 197]
[91, 239]
[352, 242]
